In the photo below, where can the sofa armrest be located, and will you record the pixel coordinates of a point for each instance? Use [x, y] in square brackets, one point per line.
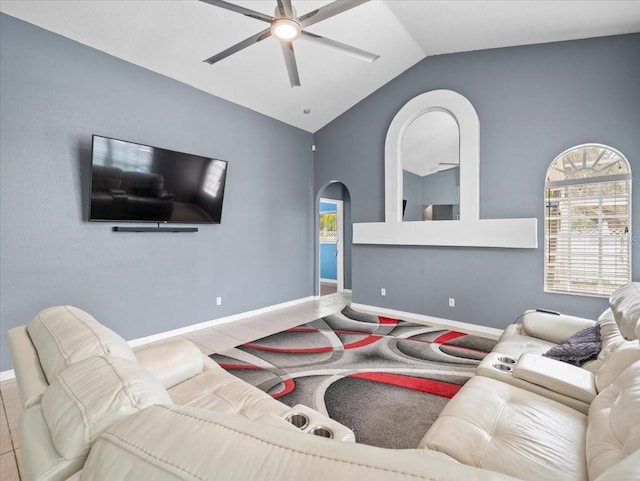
[557, 376]
[208, 363]
[511, 330]
[172, 361]
[26, 364]
[556, 328]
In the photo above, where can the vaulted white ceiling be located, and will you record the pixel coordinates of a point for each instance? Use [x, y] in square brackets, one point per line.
[173, 37]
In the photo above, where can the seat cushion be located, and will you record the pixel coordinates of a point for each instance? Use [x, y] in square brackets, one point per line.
[217, 390]
[63, 335]
[515, 344]
[496, 426]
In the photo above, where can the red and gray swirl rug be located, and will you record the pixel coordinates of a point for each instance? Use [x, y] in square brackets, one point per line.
[386, 379]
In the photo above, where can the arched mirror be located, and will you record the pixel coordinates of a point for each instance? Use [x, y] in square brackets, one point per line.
[438, 121]
[430, 157]
[432, 124]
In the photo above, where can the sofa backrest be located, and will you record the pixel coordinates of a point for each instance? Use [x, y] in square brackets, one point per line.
[64, 335]
[610, 334]
[613, 431]
[616, 363]
[625, 304]
[142, 184]
[91, 395]
[619, 329]
[105, 178]
[170, 443]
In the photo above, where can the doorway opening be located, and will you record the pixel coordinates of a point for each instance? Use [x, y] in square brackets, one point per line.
[333, 240]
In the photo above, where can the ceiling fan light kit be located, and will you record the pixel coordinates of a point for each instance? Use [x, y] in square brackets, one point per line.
[286, 27]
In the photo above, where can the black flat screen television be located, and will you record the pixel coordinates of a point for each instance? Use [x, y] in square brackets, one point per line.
[139, 183]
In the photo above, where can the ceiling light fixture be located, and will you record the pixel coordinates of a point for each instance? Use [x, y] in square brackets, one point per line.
[285, 29]
[286, 26]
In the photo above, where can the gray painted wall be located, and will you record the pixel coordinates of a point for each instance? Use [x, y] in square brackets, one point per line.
[337, 191]
[533, 103]
[55, 93]
[439, 188]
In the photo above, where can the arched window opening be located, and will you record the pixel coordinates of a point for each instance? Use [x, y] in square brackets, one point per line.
[588, 221]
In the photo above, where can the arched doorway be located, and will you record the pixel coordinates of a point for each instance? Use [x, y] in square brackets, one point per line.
[333, 239]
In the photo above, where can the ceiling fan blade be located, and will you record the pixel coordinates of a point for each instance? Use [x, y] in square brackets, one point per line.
[237, 8]
[290, 62]
[328, 11]
[341, 47]
[285, 8]
[239, 46]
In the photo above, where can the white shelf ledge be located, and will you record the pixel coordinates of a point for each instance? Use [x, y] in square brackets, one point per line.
[505, 233]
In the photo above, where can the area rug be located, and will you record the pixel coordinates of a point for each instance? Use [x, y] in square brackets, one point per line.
[386, 379]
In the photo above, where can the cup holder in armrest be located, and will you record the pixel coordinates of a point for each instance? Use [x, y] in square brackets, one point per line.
[310, 421]
[322, 432]
[506, 360]
[502, 367]
[299, 420]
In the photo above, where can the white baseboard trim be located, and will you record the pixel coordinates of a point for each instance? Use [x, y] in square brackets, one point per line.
[215, 322]
[10, 374]
[328, 281]
[346, 291]
[475, 329]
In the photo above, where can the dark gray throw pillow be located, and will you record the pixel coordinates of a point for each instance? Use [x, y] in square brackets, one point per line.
[581, 347]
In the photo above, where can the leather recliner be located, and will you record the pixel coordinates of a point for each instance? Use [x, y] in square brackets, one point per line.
[54, 350]
[99, 411]
[128, 195]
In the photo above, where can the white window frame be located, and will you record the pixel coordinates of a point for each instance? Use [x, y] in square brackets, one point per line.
[572, 287]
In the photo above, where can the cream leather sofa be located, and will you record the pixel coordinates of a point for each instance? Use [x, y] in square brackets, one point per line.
[99, 411]
[63, 344]
[539, 418]
[517, 358]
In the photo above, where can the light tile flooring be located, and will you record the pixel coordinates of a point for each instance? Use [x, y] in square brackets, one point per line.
[209, 340]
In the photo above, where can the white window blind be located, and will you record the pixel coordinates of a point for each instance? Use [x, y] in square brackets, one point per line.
[588, 221]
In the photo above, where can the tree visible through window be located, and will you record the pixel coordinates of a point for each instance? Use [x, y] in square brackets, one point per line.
[328, 227]
[588, 221]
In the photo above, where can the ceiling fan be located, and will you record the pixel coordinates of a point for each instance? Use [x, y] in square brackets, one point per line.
[286, 27]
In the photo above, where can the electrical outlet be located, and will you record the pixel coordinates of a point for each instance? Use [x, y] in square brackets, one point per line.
[383, 292]
[218, 301]
[452, 302]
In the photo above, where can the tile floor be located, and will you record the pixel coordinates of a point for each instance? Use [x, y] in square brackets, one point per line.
[209, 340]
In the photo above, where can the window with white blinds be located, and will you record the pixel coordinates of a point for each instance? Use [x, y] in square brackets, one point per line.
[213, 178]
[587, 225]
